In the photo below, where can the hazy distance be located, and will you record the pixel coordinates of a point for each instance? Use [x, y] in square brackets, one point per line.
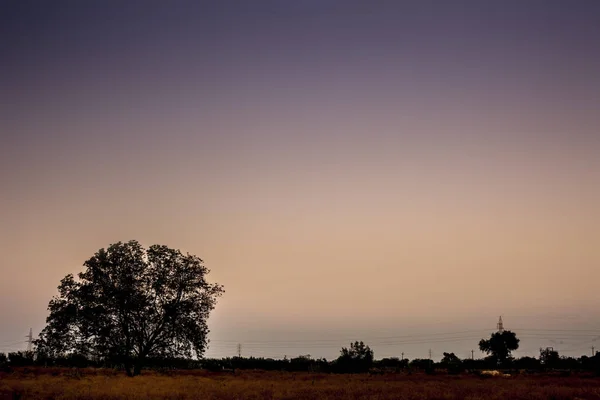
[390, 171]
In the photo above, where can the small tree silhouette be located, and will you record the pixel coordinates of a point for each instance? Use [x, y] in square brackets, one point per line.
[549, 358]
[452, 363]
[357, 358]
[500, 345]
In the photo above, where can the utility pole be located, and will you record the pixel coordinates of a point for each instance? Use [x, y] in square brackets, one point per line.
[403, 354]
[430, 360]
[472, 356]
[593, 354]
[239, 348]
[30, 340]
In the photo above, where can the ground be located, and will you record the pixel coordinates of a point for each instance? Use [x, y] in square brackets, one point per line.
[93, 384]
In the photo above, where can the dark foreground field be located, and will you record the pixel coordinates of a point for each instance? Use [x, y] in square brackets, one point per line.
[101, 384]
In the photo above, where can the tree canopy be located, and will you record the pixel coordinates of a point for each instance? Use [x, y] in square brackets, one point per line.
[450, 358]
[500, 345]
[132, 303]
[549, 357]
[357, 358]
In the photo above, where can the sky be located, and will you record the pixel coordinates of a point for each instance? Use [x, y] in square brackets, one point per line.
[397, 172]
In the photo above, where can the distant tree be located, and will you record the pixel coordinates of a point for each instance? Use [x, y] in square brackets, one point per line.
[591, 363]
[3, 359]
[130, 304]
[474, 364]
[21, 358]
[569, 363]
[500, 345]
[527, 363]
[301, 363]
[392, 362]
[452, 363]
[357, 358]
[549, 358]
[450, 358]
[422, 364]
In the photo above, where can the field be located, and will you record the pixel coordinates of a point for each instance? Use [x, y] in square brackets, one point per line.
[106, 384]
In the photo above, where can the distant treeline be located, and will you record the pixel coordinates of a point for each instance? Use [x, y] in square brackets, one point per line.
[449, 363]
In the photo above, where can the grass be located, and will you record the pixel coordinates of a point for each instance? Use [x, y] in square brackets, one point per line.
[90, 384]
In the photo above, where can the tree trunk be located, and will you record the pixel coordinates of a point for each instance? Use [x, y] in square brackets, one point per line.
[128, 369]
[137, 368]
[133, 367]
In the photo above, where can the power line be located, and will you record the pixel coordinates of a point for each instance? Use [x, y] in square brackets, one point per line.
[529, 332]
[325, 345]
[551, 335]
[6, 345]
[350, 339]
[385, 344]
[413, 340]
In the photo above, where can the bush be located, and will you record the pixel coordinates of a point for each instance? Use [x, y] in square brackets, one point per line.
[21, 359]
[358, 358]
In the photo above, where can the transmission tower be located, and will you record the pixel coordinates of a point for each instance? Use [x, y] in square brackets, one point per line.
[239, 349]
[500, 325]
[30, 340]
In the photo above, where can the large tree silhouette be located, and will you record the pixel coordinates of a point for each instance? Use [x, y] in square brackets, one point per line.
[130, 304]
[500, 345]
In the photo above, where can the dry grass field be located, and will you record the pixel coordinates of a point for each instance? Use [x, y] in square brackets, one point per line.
[102, 384]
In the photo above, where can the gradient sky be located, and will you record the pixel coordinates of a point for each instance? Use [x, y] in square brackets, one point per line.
[386, 171]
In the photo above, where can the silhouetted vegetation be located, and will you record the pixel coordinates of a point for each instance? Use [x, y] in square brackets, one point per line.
[357, 358]
[128, 306]
[500, 345]
[423, 364]
[134, 308]
[21, 358]
[549, 358]
[392, 363]
[452, 363]
[527, 363]
[449, 363]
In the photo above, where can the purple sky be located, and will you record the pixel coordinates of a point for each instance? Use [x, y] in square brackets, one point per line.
[376, 170]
